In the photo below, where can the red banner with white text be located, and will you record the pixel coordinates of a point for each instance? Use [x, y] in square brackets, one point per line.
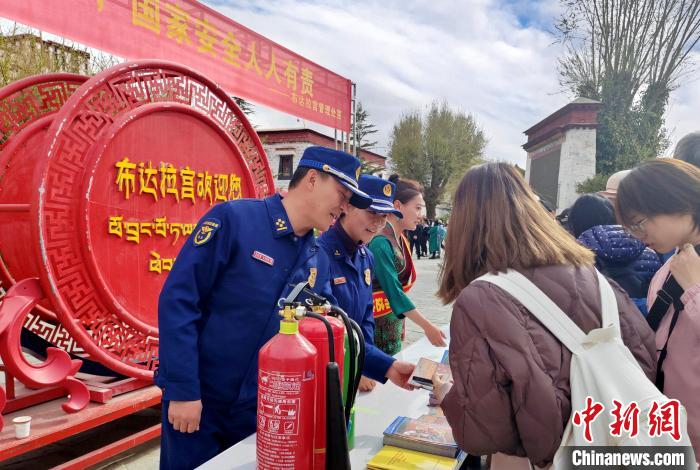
[243, 62]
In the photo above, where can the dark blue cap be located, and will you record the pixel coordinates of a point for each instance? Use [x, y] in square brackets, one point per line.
[382, 193]
[342, 165]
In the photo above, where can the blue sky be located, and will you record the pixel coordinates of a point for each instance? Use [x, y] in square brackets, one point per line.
[493, 58]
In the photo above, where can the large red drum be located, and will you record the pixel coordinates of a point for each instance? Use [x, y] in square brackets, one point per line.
[129, 164]
[27, 109]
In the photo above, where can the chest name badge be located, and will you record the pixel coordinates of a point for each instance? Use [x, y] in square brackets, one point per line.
[368, 276]
[339, 280]
[264, 258]
[206, 231]
[312, 276]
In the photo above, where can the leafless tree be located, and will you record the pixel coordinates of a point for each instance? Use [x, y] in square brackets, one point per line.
[631, 54]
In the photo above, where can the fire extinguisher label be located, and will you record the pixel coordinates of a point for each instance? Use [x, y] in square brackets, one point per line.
[279, 401]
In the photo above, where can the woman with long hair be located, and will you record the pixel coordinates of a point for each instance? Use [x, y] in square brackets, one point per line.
[659, 203]
[394, 273]
[511, 394]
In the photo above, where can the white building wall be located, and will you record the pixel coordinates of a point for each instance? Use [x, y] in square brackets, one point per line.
[577, 164]
[274, 151]
[528, 166]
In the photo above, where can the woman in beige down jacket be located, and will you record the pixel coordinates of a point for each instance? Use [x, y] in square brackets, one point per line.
[511, 392]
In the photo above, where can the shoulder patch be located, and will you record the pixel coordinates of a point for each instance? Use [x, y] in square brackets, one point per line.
[206, 231]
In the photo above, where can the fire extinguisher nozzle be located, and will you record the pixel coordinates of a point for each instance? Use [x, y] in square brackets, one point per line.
[337, 453]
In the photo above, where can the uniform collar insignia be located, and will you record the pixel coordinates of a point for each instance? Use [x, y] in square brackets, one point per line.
[278, 216]
[281, 224]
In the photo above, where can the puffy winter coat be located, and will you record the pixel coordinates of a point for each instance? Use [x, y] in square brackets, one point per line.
[624, 259]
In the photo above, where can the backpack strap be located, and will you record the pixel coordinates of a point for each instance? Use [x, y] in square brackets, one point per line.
[668, 296]
[541, 306]
[608, 304]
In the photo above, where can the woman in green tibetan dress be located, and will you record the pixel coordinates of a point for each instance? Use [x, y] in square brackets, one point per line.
[394, 273]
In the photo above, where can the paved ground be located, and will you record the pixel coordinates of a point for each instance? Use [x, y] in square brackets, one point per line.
[423, 295]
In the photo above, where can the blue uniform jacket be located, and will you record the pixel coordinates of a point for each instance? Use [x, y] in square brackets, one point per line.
[351, 284]
[218, 306]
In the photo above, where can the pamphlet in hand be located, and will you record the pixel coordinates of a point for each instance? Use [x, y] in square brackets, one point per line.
[430, 434]
[425, 369]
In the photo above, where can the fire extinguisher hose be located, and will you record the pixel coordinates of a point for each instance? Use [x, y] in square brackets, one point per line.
[360, 366]
[337, 453]
[355, 367]
[329, 330]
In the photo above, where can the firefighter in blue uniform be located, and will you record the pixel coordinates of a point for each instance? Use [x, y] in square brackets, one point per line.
[351, 275]
[219, 303]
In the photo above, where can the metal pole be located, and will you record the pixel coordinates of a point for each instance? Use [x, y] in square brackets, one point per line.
[335, 138]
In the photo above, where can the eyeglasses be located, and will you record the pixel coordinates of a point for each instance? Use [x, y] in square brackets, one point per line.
[638, 228]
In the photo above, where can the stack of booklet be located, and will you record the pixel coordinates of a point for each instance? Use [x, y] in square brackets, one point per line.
[425, 442]
[431, 434]
[395, 458]
[418, 443]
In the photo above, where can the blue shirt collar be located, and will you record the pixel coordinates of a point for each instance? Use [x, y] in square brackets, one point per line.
[336, 239]
[279, 222]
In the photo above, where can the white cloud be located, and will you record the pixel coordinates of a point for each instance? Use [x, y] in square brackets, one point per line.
[682, 116]
[477, 55]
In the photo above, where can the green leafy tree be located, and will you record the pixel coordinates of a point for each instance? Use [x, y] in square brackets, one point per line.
[369, 168]
[23, 54]
[364, 129]
[436, 149]
[593, 185]
[630, 55]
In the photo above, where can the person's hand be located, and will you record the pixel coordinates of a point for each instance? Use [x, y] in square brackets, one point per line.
[400, 372]
[367, 384]
[185, 415]
[685, 266]
[440, 388]
[435, 335]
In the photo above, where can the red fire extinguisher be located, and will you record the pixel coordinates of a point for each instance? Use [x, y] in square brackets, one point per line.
[295, 377]
[316, 332]
[286, 393]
